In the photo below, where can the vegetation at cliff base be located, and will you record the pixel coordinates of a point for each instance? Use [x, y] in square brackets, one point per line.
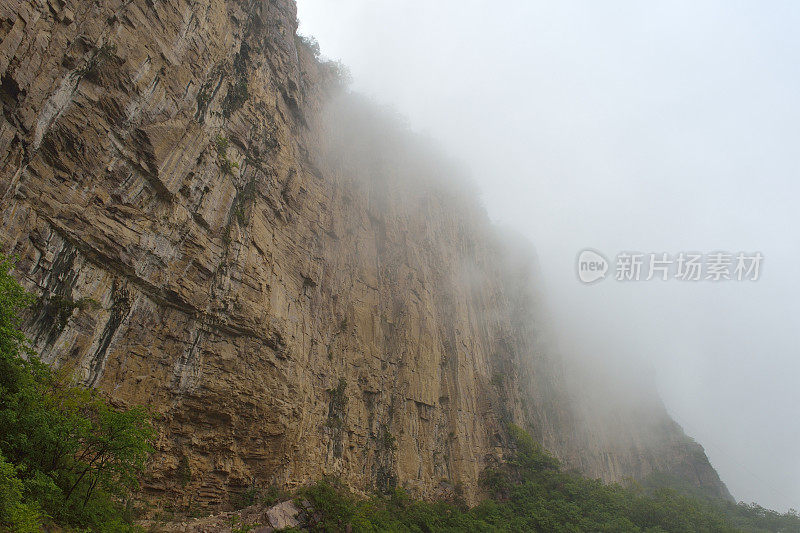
[66, 455]
[530, 492]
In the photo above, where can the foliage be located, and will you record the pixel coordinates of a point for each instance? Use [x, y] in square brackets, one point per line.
[243, 198]
[273, 494]
[387, 440]
[236, 97]
[225, 164]
[530, 492]
[256, 494]
[15, 512]
[237, 527]
[99, 56]
[754, 518]
[61, 307]
[222, 143]
[310, 42]
[336, 70]
[66, 455]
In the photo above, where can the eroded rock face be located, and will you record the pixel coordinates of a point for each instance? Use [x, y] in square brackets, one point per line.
[285, 278]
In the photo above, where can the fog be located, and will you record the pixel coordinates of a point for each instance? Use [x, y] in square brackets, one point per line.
[626, 126]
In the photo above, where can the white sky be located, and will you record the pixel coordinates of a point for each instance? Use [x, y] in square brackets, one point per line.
[627, 125]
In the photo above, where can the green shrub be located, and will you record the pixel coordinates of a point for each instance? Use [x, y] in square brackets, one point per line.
[15, 513]
[309, 42]
[225, 164]
[64, 449]
[236, 97]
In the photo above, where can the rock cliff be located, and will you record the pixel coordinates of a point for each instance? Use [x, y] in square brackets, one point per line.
[295, 285]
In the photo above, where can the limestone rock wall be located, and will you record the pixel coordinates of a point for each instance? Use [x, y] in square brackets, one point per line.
[290, 282]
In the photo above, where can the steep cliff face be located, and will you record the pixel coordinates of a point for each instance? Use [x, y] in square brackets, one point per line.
[290, 281]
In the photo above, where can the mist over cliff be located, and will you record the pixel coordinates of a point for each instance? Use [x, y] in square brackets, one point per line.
[296, 284]
[631, 127]
[606, 401]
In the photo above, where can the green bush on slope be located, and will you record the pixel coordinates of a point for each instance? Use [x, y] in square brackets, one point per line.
[66, 455]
